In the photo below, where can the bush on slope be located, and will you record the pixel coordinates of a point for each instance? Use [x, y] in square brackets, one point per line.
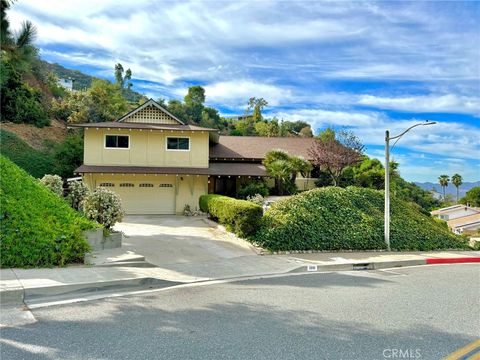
[333, 218]
[37, 228]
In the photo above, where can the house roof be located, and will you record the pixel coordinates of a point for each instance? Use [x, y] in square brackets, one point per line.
[124, 125]
[255, 147]
[215, 169]
[453, 208]
[464, 220]
[148, 103]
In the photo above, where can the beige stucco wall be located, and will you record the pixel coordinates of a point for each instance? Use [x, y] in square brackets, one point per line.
[302, 183]
[187, 189]
[147, 148]
[305, 183]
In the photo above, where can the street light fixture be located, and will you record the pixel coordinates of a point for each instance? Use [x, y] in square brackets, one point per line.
[387, 175]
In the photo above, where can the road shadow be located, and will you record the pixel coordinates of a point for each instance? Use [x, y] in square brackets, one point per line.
[213, 325]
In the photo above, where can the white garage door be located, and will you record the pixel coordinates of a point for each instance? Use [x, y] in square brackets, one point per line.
[146, 197]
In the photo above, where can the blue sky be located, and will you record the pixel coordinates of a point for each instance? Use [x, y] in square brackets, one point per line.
[368, 66]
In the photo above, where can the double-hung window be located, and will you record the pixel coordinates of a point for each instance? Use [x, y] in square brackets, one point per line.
[178, 143]
[117, 141]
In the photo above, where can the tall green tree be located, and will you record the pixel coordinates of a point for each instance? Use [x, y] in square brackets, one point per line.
[457, 180]
[472, 197]
[194, 103]
[443, 180]
[127, 78]
[257, 105]
[119, 75]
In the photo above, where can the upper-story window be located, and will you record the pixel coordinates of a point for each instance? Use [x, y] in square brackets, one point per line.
[117, 141]
[178, 143]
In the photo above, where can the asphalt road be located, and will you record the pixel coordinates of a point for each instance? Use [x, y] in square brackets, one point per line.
[419, 313]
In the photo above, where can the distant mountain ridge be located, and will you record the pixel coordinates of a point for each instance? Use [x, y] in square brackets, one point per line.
[451, 189]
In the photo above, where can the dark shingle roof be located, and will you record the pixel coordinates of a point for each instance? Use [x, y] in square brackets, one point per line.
[226, 169]
[255, 147]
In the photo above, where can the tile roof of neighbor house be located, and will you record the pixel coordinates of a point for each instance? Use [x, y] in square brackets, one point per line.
[215, 169]
[123, 125]
[255, 147]
[464, 220]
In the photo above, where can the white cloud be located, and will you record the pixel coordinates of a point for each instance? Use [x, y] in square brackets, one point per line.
[238, 92]
[446, 139]
[180, 40]
[428, 103]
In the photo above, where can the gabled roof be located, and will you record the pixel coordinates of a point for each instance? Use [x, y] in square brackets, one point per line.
[143, 126]
[255, 147]
[153, 103]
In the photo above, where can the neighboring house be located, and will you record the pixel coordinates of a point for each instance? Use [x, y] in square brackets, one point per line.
[157, 164]
[66, 84]
[455, 211]
[467, 225]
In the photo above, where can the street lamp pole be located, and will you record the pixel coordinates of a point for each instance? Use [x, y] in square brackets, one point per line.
[387, 176]
[387, 190]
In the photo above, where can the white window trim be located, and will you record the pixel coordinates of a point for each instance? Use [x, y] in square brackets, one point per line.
[176, 137]
[115, 148]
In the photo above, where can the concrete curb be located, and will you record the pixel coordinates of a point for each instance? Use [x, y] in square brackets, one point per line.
[10, 297]
[57, 293]
[375, 265]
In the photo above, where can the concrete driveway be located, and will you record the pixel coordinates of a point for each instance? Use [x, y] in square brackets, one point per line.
[170, 239]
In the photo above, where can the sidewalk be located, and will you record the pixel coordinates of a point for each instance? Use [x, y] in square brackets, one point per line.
[35, 287]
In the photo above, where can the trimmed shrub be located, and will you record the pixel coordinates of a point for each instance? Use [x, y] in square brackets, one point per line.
[240, 216]
[77, 192]
[104, 206]
[333, 218]
[253, 188]
[54, 183]
[37, 228]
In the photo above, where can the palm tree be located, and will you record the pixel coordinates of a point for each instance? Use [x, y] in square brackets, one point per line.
[278, 165]
[457, 181]
[443, 181]
[299, 165]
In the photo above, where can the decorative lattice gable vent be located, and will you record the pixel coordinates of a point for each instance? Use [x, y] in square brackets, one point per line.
[150, 115]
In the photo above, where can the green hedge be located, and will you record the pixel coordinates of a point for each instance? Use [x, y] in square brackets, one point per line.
[240, 216]
[333, 218]
[37, 228]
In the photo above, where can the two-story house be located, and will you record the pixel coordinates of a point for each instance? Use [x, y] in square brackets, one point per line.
[157, 164]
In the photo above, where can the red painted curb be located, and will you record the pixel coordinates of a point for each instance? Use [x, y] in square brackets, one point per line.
[453, 260]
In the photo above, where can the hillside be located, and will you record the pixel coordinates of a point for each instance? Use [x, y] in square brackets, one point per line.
[82, 81]
[350, 219]
[38, 138]
[450, 189]
[36, 162]
[38, 228]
